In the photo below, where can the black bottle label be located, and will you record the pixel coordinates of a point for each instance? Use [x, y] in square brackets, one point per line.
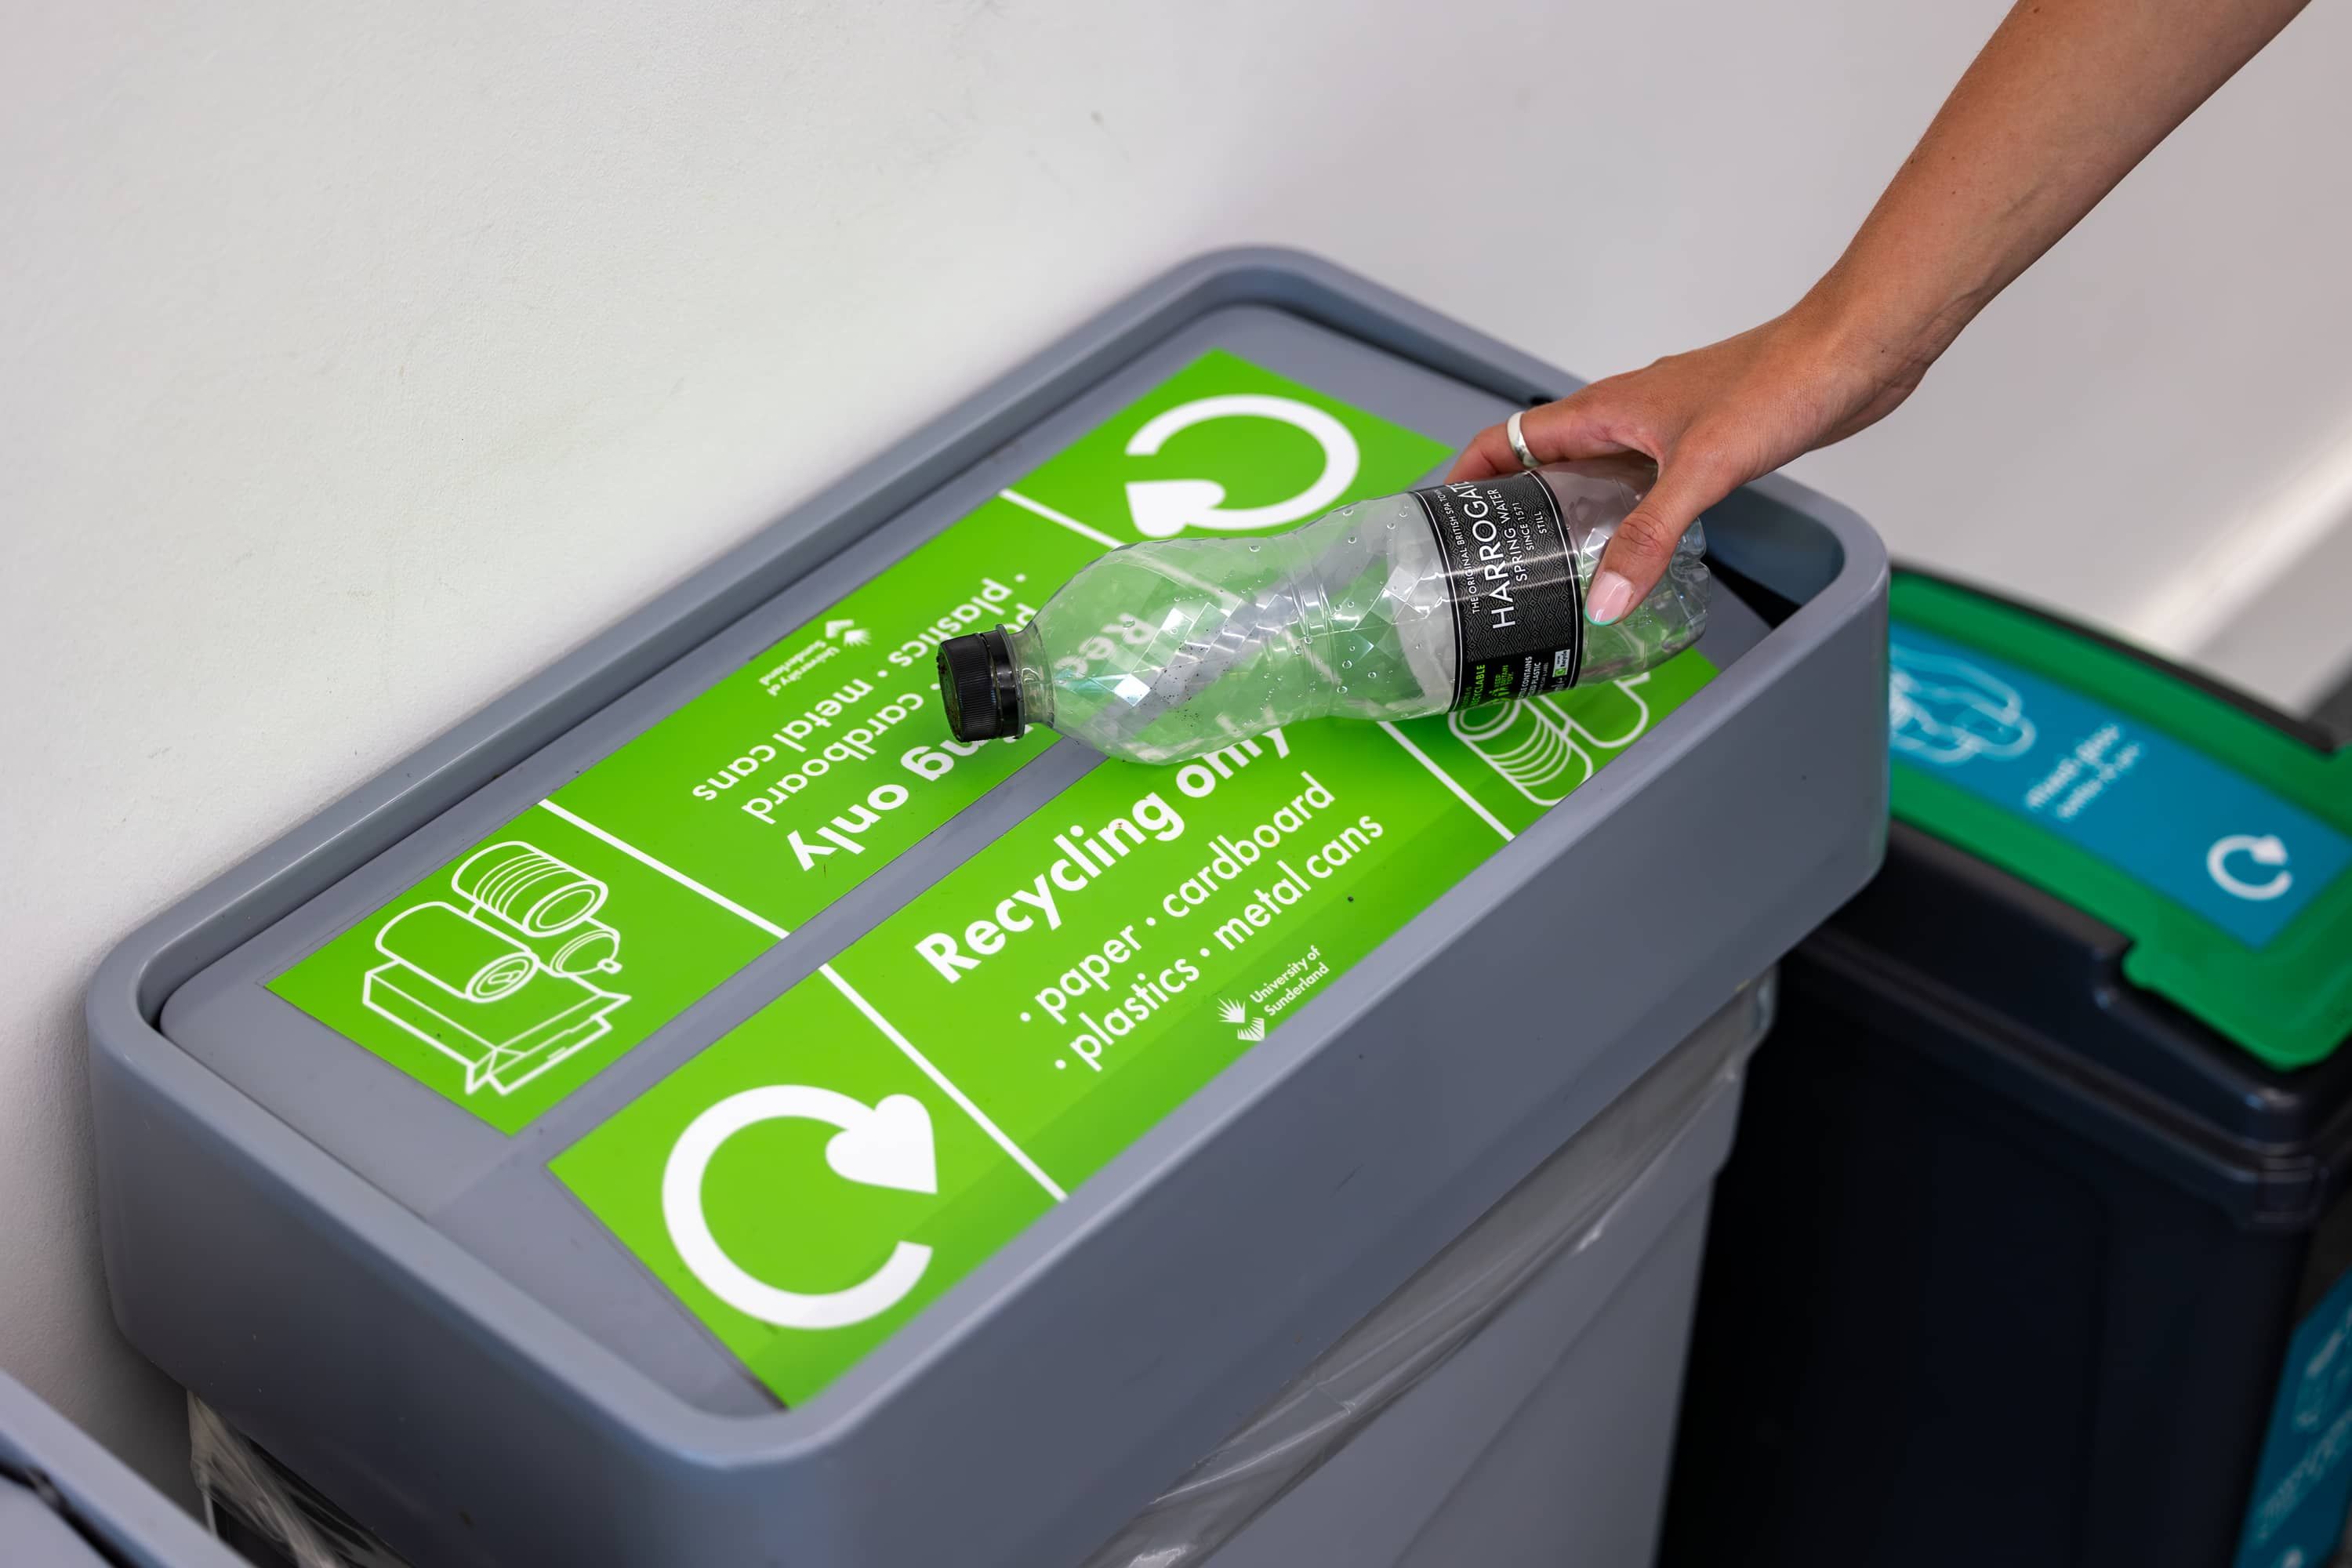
[1518, 610]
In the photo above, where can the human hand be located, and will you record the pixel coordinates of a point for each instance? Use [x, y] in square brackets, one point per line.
[1712, 420]
[2066, 97]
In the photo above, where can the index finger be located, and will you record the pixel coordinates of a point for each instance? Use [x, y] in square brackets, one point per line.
[1490, 453]
[1559, 432]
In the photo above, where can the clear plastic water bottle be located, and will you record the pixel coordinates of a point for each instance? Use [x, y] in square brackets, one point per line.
[1453, 596]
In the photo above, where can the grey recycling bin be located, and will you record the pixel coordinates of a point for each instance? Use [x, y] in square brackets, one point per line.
[696, 1111]
[66, 1502]
[1511, 1402]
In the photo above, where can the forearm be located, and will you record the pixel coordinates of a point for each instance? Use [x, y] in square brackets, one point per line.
[2066, 97]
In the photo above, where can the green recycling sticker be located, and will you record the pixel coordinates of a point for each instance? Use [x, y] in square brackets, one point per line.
[808, 1182]
[893, 1191]
[1061, 992]
[541, 953]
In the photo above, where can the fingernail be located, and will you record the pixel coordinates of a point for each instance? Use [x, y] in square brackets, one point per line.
[1611, 596]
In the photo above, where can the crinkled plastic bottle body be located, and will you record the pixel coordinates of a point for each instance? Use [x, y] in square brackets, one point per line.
[1166, 650]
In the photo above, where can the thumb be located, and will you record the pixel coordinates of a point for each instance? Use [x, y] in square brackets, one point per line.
[1636, 556]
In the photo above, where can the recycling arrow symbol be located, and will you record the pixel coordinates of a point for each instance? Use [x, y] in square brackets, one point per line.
[1163, 509]
[887, 1145]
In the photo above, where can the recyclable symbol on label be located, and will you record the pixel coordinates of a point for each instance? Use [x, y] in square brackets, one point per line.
[887, 1145]
[1162, 508]
[2265, 855]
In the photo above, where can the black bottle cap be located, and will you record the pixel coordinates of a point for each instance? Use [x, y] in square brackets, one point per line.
[981, 686]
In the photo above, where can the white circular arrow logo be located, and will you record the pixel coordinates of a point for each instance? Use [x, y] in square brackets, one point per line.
[2267, 851]
[1163, 509]
[886, 1145]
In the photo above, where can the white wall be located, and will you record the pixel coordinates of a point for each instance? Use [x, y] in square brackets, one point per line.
[356, 360]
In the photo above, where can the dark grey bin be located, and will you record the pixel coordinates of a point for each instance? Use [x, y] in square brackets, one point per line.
[308, 1272]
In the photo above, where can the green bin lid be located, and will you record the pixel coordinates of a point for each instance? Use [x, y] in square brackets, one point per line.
[2219, 843]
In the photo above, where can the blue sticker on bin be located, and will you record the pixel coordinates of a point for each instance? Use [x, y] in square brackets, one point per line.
[2183, 824]
[2304, 1486]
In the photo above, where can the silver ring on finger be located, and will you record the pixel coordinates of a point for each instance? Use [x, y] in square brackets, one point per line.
[1519, 440]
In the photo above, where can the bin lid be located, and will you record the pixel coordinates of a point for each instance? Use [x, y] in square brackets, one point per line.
[957, 1067]
[2209, 833]
[767, 1229]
